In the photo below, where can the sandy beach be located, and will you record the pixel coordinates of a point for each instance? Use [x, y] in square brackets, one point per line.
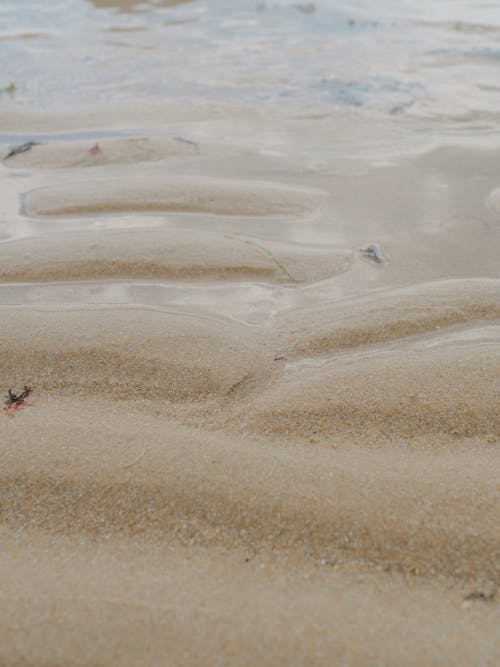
[265, 426]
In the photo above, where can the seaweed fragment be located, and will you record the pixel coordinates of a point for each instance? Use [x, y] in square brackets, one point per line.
[22, 148]
[17, 401]
[189, 142]
[267, 252]
[11, 88]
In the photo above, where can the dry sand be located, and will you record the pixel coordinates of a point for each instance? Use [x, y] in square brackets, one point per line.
[250, 445]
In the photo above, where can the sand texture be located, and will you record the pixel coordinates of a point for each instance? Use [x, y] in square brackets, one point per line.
[251, 444]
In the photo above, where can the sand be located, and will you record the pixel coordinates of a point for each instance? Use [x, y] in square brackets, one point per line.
[250, 445]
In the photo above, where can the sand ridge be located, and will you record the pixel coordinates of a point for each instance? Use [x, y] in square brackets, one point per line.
[249, 443]
[84, 153]
[181, 193]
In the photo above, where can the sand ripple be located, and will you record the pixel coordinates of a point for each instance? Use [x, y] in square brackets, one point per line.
[187, 194]
[229, 418]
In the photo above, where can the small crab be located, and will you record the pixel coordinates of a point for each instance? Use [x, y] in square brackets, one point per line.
[17, 401]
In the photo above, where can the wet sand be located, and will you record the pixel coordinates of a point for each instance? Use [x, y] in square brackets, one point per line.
[250, 444]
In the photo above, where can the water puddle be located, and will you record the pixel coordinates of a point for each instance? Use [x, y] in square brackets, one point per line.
[247, 303]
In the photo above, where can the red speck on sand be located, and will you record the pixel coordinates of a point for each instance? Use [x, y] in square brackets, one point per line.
[95, 150]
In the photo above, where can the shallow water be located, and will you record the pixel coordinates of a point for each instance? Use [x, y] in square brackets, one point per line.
[433, 67]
